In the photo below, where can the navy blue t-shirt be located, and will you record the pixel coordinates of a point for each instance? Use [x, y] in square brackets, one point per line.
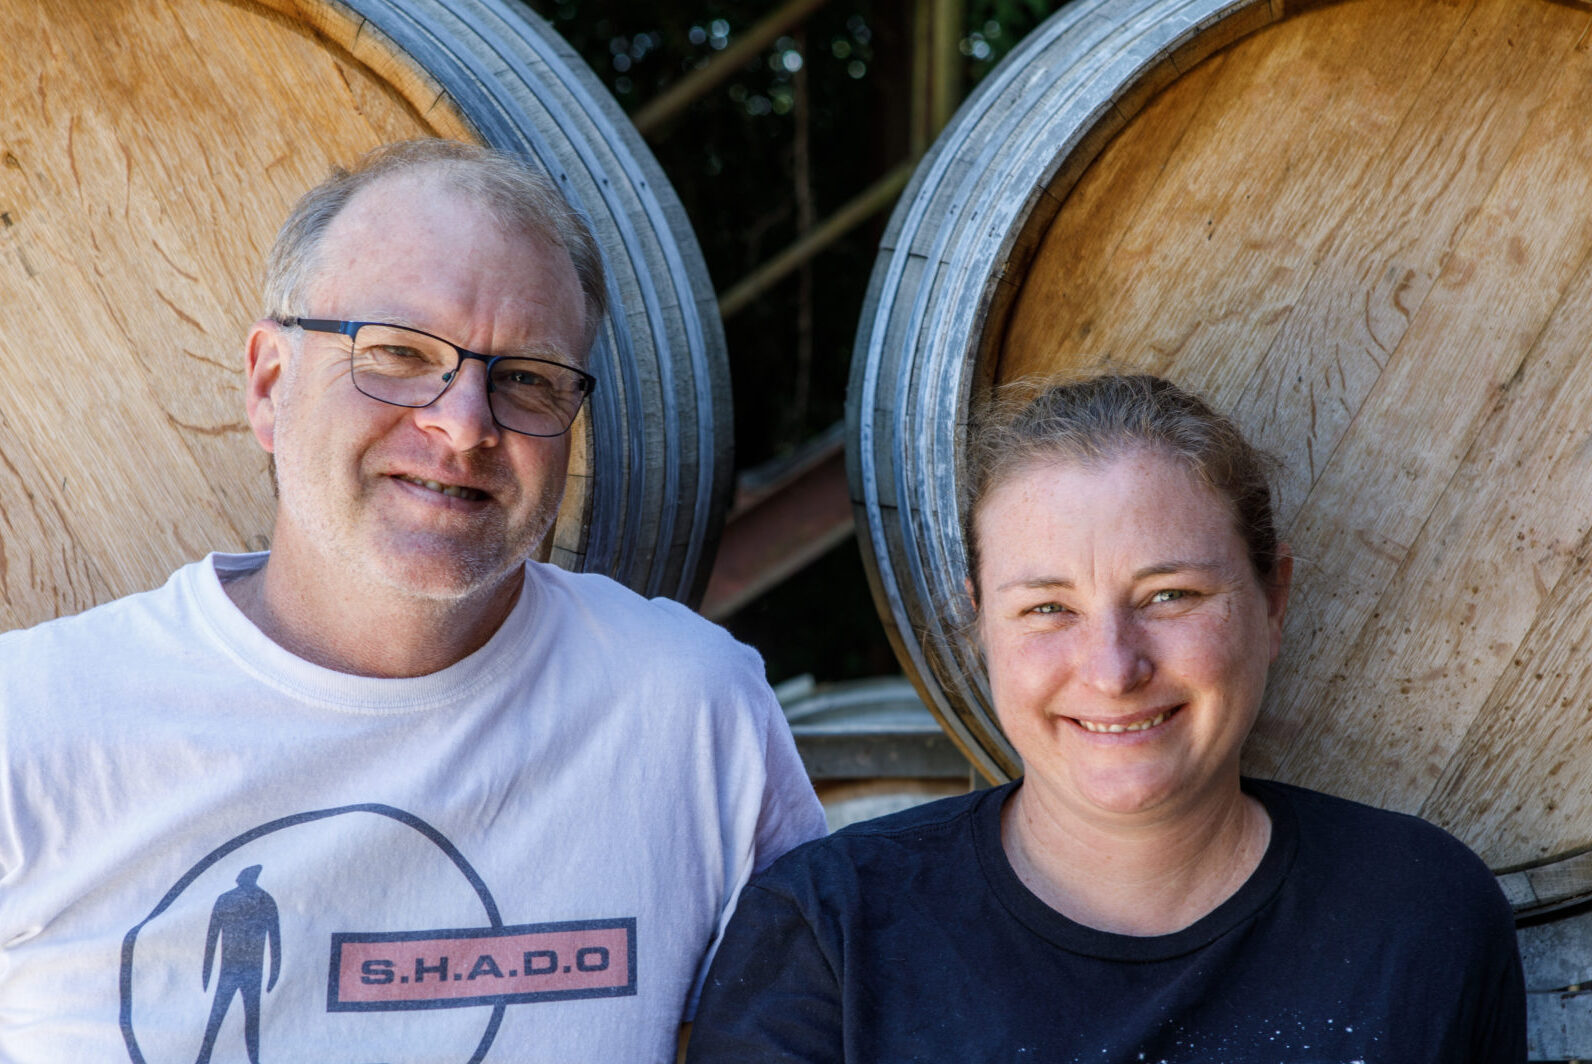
[1363, 936]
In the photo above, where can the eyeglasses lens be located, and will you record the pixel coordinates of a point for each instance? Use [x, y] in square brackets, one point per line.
[408, 368]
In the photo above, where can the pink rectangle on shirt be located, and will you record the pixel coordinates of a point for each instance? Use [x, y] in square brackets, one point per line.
[480, 966]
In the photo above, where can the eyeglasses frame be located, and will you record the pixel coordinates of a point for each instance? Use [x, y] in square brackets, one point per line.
[350, 328]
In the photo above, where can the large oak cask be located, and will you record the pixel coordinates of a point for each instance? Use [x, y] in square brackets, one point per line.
[1365, 229]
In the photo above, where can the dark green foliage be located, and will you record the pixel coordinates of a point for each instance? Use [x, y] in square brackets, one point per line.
[733, 159]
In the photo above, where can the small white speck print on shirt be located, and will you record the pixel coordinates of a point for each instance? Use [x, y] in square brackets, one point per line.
[1299, 1040]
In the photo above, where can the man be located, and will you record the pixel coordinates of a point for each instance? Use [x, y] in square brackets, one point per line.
[503, 810]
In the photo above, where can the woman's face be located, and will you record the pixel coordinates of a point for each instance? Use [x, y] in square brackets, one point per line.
[1125, 630]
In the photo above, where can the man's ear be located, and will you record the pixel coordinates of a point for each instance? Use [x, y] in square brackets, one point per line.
[265, 355]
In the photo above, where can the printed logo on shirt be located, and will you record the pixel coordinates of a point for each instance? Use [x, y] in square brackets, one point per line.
[273, 946]
[442, 969]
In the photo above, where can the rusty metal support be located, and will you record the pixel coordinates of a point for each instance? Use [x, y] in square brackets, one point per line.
[656, 113]
[863, 206]
[783, 518]
[796, 515]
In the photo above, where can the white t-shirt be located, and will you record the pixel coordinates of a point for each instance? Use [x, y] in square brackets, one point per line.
[523, 857]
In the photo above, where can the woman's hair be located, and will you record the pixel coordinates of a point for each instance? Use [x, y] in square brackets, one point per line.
[1094, 420]
[517, 193]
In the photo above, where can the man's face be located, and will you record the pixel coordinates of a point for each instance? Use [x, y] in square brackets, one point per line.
[438, 501]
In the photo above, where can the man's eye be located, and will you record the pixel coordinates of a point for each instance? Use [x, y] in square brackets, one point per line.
[1169, 595]
[1049, 607]
[397, 352]
[525, 378]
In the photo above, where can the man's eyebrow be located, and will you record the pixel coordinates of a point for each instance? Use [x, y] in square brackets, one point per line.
[534, 349]
[402, 323]
[540, 349]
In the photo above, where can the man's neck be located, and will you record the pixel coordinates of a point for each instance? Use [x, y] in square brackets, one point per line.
[379, 633]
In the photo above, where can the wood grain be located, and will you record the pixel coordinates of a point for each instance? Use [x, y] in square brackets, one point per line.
[151, 149]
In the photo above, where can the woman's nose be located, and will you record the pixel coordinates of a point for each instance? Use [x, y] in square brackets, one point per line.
[1113, 657]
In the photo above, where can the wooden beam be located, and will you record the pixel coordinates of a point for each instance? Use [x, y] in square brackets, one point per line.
[780, 525]
[863, 206]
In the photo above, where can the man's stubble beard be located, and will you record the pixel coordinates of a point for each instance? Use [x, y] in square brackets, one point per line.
[333, 527]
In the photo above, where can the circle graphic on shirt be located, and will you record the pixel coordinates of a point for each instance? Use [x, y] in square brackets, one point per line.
[346, 935]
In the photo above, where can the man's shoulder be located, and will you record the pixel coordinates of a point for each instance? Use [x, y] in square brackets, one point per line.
[106, 625]
[62, 669]
[615, 615]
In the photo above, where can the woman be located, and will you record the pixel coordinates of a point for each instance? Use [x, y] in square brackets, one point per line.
[1131, 898]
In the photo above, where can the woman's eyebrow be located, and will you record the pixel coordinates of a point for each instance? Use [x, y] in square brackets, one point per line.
[1037, 583]
[1171, 568]
[1046, 583]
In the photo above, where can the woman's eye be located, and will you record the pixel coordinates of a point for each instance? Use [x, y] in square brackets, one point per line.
[1169, 595]
[1048, 607]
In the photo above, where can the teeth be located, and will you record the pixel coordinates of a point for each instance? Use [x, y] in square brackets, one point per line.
[1143, 725]
[454, 490]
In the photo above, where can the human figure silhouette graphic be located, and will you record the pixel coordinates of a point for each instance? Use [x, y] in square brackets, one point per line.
[244, 919]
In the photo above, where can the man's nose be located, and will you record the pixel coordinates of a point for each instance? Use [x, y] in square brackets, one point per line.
[463, 412]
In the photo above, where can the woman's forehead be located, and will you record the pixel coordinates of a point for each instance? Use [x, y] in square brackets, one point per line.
[1114, 479]
[1144, 506]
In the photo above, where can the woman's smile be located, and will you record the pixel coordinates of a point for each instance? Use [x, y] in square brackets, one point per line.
[1131, 726]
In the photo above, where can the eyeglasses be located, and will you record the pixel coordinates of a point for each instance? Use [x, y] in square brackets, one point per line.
[407, 367]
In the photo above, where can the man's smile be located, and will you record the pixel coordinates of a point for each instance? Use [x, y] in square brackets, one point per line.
[457, 491]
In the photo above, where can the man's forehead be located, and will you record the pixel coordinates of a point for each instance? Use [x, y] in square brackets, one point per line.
[403, 201]
[417, 248]
[421, 215]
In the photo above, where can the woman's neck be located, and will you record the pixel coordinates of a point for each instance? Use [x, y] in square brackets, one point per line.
[1148, 875]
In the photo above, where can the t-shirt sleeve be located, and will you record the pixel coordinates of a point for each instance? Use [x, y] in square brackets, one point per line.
[771, 996]
[788, 811]
[791, 813]
[1501, 1016]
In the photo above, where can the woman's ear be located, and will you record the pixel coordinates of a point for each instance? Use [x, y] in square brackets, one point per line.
[1277, 590]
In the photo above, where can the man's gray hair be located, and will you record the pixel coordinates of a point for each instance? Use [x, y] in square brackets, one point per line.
[513, 189]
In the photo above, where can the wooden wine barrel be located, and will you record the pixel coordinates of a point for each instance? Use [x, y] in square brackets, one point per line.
[148, 151]
[1365, 229]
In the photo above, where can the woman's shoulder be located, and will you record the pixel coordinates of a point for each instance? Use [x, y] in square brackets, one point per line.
[1379, 853]
[1319, 812]
[885, 850]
